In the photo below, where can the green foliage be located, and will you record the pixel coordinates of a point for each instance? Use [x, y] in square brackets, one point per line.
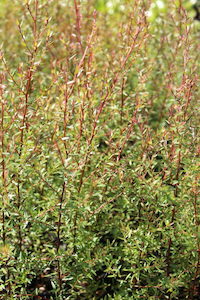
[99, 134]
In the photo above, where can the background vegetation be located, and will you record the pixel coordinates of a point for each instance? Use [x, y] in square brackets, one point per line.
[99, 150]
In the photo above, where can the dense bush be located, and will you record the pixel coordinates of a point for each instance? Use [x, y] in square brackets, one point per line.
[99, 150]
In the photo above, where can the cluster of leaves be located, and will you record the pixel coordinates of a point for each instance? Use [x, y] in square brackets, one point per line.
[100, 152]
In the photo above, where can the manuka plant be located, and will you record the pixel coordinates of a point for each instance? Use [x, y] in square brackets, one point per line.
[99, 132]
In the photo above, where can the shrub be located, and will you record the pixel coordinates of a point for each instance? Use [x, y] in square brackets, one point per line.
[99, 150]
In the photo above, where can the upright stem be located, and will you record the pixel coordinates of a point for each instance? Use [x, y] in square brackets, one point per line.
[168, 254]
[59, 237]
[197, 223]
[4, 184]
[122, 101]
[3, 166]
[78, 24]
[24, 125]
